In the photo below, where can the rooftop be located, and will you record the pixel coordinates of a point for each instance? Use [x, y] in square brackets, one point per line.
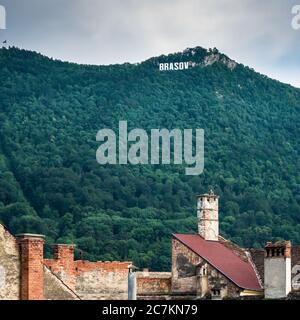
[225, 260]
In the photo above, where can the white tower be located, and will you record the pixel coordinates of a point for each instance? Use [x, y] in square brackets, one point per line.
[208, 216]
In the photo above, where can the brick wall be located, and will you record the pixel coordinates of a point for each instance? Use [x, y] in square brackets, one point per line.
[153, 284]
[63, 264]
[89, 280]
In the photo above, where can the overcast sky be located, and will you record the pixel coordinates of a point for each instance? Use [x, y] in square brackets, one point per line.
[257, 33]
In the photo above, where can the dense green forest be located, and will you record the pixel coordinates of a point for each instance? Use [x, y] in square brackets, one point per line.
[50, 182]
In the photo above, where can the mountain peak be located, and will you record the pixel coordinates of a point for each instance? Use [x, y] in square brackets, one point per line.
[197, 56]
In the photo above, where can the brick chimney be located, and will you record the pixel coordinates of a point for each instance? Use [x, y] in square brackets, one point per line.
[64, 266]
[64, 253]
[208, 216]
[277, 272]
[31, 248]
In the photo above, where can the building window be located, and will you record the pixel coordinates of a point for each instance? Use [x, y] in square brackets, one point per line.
[203, 271]
[216, 292]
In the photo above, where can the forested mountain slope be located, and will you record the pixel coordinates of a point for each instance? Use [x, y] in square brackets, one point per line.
[50, 182]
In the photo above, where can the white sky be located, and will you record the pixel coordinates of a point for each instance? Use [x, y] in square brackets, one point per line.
[257, 33]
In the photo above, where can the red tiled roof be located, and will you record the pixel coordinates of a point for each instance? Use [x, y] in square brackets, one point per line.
[223, 259]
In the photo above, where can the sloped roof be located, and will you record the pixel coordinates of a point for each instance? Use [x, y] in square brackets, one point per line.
[223, 259]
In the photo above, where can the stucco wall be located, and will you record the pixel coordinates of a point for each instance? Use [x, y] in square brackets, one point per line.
[277, 277]
[102, 280]
[9, 266]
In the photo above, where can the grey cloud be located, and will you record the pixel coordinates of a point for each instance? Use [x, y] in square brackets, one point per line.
[254, 32]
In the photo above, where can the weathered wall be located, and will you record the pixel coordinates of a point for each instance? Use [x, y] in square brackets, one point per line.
[153, 285]
[102, 280]
[191, 275]
[90, 280]
[184, 262]
[55, 289]
[9, 266]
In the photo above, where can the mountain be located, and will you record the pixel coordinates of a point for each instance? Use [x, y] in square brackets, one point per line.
[50, 182]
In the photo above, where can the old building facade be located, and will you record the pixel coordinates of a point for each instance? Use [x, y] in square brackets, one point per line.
[207, 266]
[204, 266]
[26, 275]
